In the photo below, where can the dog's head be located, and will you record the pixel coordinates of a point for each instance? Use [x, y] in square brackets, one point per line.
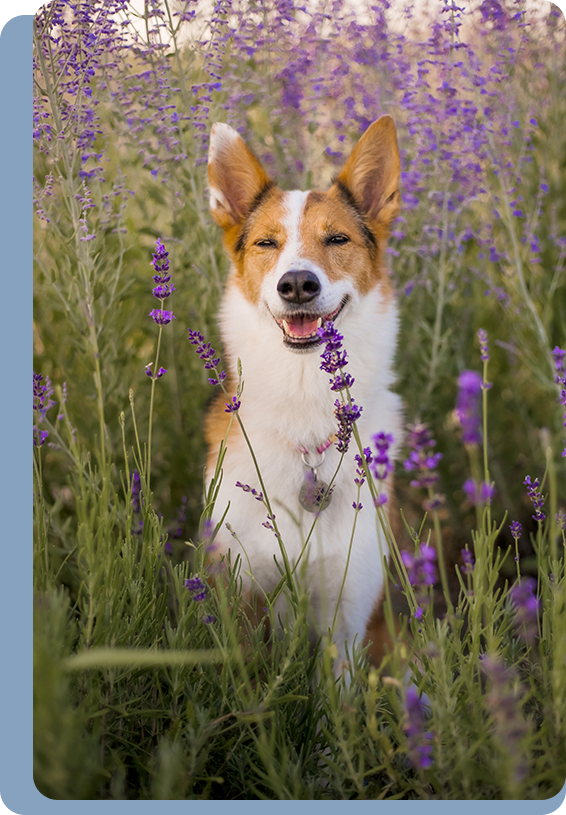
[306, 257]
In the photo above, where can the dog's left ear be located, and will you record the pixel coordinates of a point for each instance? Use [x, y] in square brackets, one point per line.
[373, 171]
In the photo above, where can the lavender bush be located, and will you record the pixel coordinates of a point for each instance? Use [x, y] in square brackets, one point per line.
[150, 683]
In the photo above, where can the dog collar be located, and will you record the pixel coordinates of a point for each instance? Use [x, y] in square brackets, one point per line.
[314, 495]
[321, 447]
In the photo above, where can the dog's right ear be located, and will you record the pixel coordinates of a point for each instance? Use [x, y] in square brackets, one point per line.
[235, 176]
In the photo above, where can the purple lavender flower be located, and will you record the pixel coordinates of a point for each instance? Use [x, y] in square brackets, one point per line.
[484, 350]
[160, 263]
[162, 278]
[468, 405]
[560, 379]
[418, 747]
[41, 403]
[161, 316]
[135, 481]
[469, 562]
[526, 605]
[361, 473]
[559, 354]
[334, 358]
[478, 494]
[346, 415]
[258, 495]
[196, 587]
[162, 291]
[423, 462]
[207, 535]
[158, 375]
[233, 406]
[207, 353]
[516, 529]
[381, 466]
[420, 567]
[533, 490]
[421, 459]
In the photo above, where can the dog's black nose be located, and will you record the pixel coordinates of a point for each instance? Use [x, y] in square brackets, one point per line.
[298, 286]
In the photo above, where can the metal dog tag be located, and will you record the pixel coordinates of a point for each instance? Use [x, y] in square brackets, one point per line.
[312, 493]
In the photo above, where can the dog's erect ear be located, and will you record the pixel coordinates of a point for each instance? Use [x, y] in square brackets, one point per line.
[235, 176]
[373, 170]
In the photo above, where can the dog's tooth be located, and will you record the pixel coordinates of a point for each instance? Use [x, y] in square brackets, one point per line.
[286, 326]
[319, 322]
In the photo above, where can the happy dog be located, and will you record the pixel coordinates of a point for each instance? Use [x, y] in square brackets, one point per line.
[298, 260]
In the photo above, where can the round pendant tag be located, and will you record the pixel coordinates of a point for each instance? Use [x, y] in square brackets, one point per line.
[311, 495]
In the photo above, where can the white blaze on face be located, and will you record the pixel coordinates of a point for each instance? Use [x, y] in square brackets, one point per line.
[292, 257]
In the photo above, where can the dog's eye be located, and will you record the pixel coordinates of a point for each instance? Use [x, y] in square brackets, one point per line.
[338, 240]
[265, 242]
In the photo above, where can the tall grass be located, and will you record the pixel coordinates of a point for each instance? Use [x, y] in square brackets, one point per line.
[153, 678]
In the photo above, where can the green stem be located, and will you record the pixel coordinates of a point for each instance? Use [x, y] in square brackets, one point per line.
[441, 560]
[347, 563]
[149, 434]
[136, 434]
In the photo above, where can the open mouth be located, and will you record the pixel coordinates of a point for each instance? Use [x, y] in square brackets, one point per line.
[299, 329]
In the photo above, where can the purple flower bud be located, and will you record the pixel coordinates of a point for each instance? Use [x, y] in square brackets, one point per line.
[381, 465]
[478, 494]
[526, 605]
[468, 559]
[136, 491]
[233, 406]
[420, 567]
[482, 335]
[418, 748]
[207, 353]
[258, 495]
[467, 406]
[162, 317]
[41, 403]
[161, 292]
[346, 415]
[533, 490]
[423, 462]
[197, 588]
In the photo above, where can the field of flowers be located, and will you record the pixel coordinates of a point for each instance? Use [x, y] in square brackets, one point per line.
[150, 684]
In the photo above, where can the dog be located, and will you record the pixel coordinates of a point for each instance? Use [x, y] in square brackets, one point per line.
[298, 260]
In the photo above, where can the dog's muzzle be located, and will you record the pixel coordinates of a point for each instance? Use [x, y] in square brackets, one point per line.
[299, 289]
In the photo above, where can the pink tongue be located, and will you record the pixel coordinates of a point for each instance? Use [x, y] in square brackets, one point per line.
[302, 326]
